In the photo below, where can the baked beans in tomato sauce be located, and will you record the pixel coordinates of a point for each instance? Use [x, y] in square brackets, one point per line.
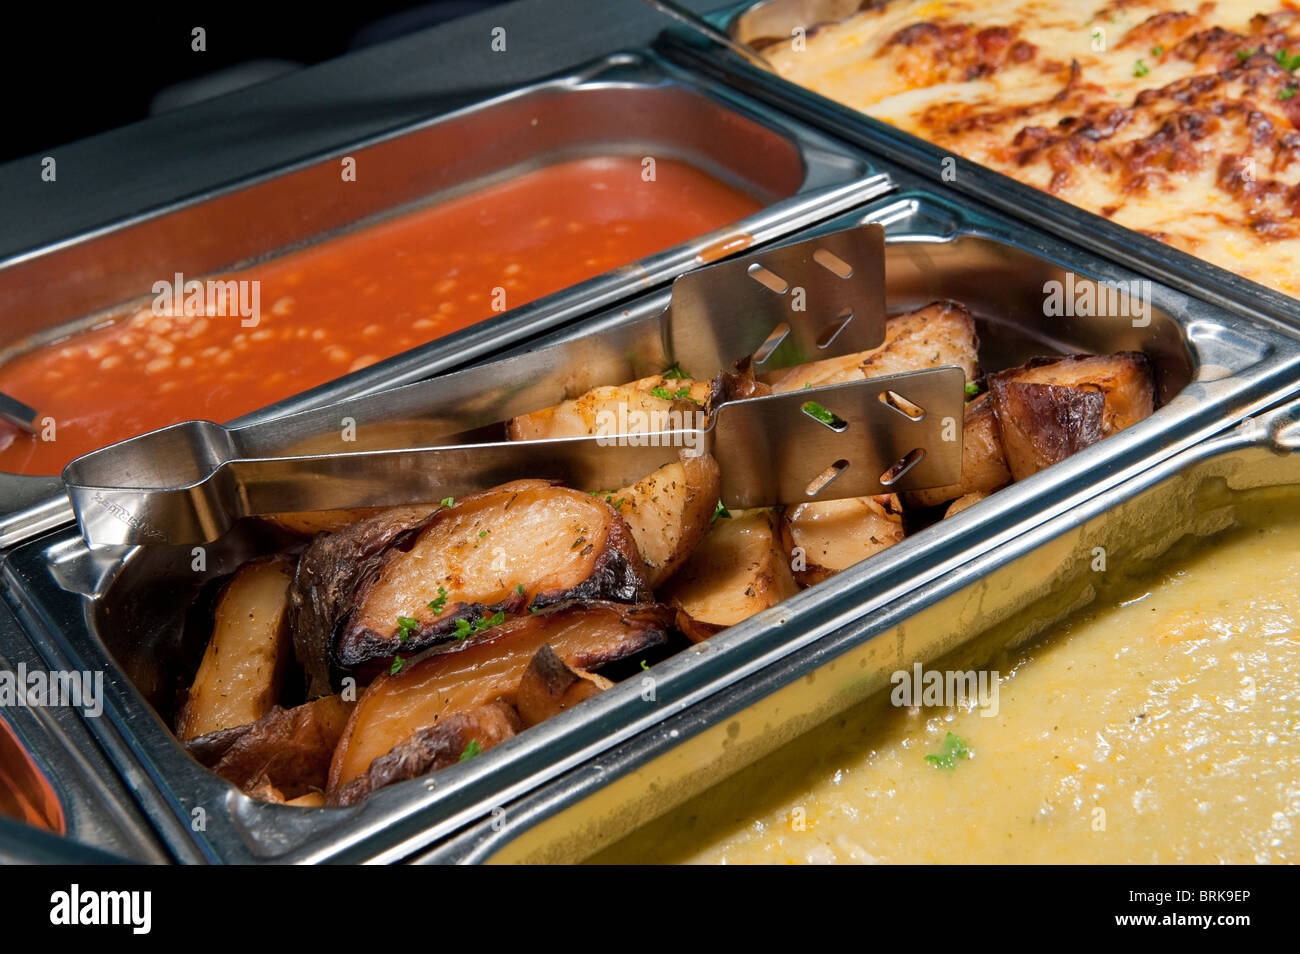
[356, 299]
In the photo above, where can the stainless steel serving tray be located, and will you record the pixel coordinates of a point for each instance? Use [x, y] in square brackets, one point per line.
[624, 104]
[101, 822]
[1002, 598]
[127, 615]
[775, 18]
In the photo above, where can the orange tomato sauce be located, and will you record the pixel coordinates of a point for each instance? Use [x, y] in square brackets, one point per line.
[356, 299]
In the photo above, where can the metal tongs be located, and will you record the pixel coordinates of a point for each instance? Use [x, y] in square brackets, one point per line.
[813, 299]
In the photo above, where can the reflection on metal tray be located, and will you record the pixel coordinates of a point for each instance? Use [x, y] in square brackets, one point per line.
[128, 616]
[1012, 593]
[64, 800]
[775, 19]
[626, 104]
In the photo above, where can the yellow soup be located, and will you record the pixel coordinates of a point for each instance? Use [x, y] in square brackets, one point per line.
[1161, 725]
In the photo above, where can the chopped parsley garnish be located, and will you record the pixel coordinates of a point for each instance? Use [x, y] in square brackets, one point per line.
[954, 748]
[1140, 69]
[449, 501]
[972, 389]
[1287, 93]
[807, 385]
[471, 750]
[679, 394]
[464, 628]
[396, 667]
[519, 588]
[720, 511]
[482, 534]
[578, 542]
[1287, 62]
[816, 410]
[1244, 55]
[616, 504]
[675, 373]
[644, 666]
[405, 627]
[1157, 50]
[440, 603]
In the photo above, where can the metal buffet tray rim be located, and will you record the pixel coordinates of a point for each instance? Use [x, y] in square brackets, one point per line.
[1275, 429]
[835, 177]
[98, 812]
[1170, 266]
[42, 579]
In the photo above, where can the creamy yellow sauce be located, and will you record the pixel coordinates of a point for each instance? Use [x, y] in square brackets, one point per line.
[1161, 725]
[1121, 49]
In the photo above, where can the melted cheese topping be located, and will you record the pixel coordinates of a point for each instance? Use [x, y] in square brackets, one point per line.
[1162, 727]
[1174, 119]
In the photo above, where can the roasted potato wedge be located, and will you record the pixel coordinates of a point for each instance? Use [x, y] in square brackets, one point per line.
[679, 385]
[523, 544]
[239, 678]
[1042, 424]
[641, 407]
[983, 462]
[465, 676]
[458, 737]
[1125, 380]
[739, 569]
[549, 686]
[326, 580]
[288, 750]
[964, 501]
[826, 536]
[940, 334]
[668, 511]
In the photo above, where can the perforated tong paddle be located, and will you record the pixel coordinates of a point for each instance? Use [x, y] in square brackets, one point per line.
[809, 300]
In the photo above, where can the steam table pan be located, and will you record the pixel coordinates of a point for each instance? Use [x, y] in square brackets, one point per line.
[770, 19]
[625, 104]
[98, 610]
[1001, 599]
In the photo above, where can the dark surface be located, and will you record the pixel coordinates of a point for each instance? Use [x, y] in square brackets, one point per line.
[149, 163]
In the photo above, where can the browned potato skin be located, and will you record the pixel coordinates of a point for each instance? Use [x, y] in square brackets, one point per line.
[488, 667]
[433, 747]
[239, 678]
[282, 755]
[668, 511]
[581, 416]
[326, 580]
[833, 535]
[1125, 380]
[1042, 424]
[983, 462]
[940, 334]
[549, 686]
[738, 570]
[311, 522]
[609, 567]
[737, 385]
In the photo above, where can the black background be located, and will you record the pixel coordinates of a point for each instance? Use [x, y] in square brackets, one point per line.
[69, 72]
[324, 909]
